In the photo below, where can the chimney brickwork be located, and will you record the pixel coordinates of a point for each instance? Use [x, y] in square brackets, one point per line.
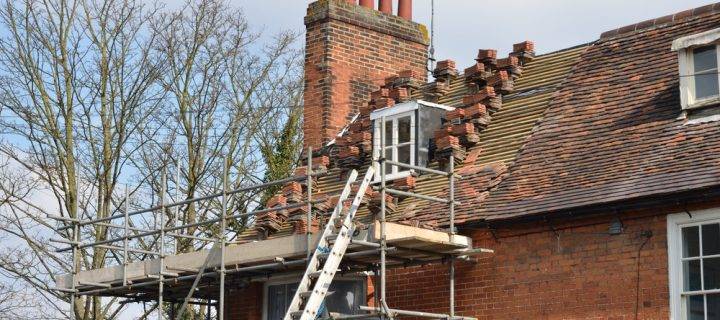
[349, 51]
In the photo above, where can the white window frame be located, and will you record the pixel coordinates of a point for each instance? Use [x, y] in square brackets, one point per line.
[675, 222]
[392, 113]
[289, 279]
[396, 172]
[685, 46]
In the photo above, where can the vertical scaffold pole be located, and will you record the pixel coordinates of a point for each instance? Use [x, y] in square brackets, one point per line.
[383, 243]
[451, 177]
[308, 232]
[161, 285]
[75, 265]
[126, 230]
[76, 242]
[177, 208]
[223, 223]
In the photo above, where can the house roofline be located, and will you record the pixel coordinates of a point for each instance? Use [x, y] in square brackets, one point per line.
[690, 13]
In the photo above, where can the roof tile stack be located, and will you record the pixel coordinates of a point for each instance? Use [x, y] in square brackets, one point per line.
[292, 192]
[487, 80]
[444, 73]
[405, 183]
[374, 204]
[355, 146]
[524, 51]
[300, 225]
[270, 222]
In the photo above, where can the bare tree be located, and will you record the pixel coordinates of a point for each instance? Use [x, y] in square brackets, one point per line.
[77, 81]
[226, 88]
[100, 93]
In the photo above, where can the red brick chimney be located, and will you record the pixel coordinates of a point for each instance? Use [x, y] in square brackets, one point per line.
[349, 51]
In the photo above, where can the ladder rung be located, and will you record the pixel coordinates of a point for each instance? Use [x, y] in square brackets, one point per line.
[315, 275]
[296, 314]
[305, 294]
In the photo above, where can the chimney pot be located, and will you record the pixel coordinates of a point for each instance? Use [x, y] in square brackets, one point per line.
[367, 4]
[405, 9]
[386, 6]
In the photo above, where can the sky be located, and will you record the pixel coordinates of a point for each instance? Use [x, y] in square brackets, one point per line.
[463, 26]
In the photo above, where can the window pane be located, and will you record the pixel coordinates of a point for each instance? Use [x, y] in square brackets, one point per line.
[390, 156]
[691, 275]
[276, 302]
[704, 59]
[388, 133]
[691, 242]
[706, 85]
[404, 154]
[713, 306]
[711, 272]
[711, 239]
[706, 78]
[696, 308]
[404, 129]
[345, 297]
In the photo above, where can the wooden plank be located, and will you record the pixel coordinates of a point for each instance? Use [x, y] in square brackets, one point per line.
[402, 235]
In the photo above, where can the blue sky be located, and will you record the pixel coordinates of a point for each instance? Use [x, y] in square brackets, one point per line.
[462, 26]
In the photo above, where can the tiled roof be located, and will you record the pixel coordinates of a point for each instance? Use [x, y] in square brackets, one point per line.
[498, 146]
[615, 132]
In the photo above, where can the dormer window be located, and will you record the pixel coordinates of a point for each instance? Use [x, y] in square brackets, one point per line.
[408, 128]
[699, 76]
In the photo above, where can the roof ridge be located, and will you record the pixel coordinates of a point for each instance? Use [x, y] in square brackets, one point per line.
[690, 13]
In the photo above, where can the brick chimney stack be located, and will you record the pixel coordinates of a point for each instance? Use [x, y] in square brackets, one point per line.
[349, 50]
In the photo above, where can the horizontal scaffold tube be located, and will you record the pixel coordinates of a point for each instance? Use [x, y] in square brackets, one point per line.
[183, 202]
[167, 229]
[416, 313]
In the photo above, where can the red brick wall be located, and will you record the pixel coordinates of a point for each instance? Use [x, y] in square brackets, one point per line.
[583, 274]
[349, 51]
[245, 304]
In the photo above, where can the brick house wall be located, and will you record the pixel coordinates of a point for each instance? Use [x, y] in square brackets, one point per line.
[246, 303]
[581, 272]
[349, 51]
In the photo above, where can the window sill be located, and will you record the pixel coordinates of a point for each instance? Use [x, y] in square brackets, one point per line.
[703, 103]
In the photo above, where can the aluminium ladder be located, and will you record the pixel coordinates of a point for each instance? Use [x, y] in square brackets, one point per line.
[316, 281]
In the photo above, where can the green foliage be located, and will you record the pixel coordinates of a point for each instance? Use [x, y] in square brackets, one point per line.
[281, 157]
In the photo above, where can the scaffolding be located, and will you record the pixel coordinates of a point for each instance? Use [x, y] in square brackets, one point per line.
[206, 285]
